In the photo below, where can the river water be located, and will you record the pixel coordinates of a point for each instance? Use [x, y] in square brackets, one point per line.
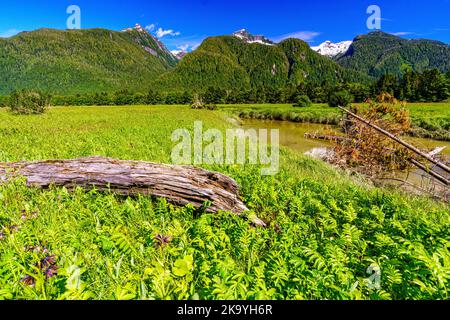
[292, 135]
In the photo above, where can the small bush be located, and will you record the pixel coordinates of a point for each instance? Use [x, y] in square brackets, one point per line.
[28, 102]
[3, 101]
[197, 102]
[211, 107]
[341, 98]
[302, 101]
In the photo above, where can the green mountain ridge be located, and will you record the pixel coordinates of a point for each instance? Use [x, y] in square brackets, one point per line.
[231, 63]
[79, 61]
[98, 60]
[379, 53]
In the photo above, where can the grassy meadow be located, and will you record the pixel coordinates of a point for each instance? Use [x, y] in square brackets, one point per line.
[328, 232]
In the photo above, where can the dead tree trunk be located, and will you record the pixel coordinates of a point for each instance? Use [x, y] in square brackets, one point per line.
[180, 185]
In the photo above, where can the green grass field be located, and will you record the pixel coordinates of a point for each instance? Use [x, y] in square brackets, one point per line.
[430, 120]
[325, 230]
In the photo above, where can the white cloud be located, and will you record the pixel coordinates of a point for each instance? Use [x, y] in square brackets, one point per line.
[160, 33]
[9, 33]
[150, 27]
[401, 33]
[190, 42]
[184, 47]
[302, 35]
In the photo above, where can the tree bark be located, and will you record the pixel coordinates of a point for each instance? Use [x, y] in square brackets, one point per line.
[180, 185]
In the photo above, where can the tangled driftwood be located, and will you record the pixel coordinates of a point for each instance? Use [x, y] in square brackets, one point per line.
[180, 185]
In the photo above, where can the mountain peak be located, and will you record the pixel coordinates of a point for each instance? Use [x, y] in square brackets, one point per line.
[150, 43]
[380, 33]
[137, 28]
[246, 36]
[331, 49]
[179, 54]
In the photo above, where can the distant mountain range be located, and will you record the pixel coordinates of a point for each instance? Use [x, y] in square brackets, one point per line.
[179, 54]
[243, 61]
[247, 37]
[378, 53]
[330, 49]
[94, 60]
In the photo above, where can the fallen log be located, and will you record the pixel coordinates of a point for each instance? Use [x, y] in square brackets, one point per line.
[432, 173]
[180, 185]
[436, 151]
[325, 137]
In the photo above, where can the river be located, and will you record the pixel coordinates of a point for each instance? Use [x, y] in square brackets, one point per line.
[292, 135]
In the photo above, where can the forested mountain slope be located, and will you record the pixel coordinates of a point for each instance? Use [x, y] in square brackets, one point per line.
[79, 61]
[379, 53]
[231, 63]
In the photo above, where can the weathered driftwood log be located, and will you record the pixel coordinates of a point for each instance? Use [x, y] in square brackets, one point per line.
[180, 185]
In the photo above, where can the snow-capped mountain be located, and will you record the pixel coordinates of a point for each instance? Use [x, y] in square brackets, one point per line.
[179, 54]
[249, 38]
[331, 49]
[151, 43]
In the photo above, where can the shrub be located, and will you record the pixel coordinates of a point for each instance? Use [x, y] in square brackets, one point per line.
[197, 102]
[341, 98]
[28, 102]
[211, 107]
[302, 101]
[3, 101]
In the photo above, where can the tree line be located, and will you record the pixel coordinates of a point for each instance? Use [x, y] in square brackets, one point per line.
[428, 86]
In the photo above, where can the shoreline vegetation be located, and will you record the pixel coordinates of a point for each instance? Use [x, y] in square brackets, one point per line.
[429, 120]
[325, 227]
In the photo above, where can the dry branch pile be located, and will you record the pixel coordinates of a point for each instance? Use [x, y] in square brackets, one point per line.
[367, 149]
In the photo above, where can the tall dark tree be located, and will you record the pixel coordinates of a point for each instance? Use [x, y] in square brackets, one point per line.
[214, 96]
[153, 98]
[411, 86]
[388, 83]
[434, 86]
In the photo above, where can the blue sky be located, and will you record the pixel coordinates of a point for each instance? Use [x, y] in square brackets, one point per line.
[191, 21]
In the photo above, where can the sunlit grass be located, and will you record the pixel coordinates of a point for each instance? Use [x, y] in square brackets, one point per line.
[325, 228]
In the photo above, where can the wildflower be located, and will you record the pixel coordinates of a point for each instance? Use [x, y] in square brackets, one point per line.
[51, 271]
[34, 215]
[23, 216]
[28, 281]
[46, 265]
[163, 240]
[2, 236]
[48, 261]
